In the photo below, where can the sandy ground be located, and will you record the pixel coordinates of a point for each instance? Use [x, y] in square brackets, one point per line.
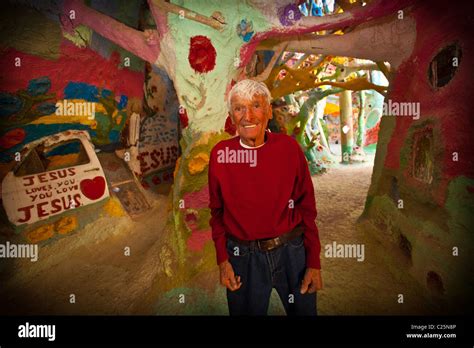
[91, 265]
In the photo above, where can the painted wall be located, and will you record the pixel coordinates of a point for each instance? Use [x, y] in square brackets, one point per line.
[52, 81]
[42, 67]
[158, 148]
[421, 195]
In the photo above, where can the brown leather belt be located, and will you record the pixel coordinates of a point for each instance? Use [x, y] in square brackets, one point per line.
[270, 243]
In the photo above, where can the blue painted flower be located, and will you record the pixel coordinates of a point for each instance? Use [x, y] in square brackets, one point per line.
[9, 104]
[106, 93]
[245, 30]
[39, 86]
[46, 108]
[123, 102]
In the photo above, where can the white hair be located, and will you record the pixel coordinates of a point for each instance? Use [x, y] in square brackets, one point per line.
[246, 89]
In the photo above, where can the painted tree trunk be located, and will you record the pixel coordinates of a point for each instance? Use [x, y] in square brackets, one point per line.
[317, 119]
[361, 120]
[347, 133]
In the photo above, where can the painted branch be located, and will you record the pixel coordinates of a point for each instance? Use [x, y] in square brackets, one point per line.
[130, 39]
[301, 60]
[384, 69]
[391, 41]
[181, 11]
[358, 67]
[159, 17]
[265, 73]
[371, 12]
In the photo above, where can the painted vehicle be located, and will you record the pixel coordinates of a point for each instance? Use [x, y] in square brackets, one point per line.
[56, 173]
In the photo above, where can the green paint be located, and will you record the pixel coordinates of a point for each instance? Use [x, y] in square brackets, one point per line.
[28, 30]
[81, 37]
[185, 183]
[387, 126]
[361, 120]
[370, 148]
[188, 83]
[460, 205]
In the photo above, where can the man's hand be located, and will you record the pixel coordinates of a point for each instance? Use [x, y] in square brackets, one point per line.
[312, 281]
[228, 278]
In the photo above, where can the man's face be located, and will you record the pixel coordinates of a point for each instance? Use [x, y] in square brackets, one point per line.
[251, 118]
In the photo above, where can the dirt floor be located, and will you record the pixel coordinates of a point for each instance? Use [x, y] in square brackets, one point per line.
[91, 264]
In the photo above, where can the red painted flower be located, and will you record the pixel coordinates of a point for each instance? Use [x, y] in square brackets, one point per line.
[12, 137]
[229, 126]
[183, 117]
[202, 54]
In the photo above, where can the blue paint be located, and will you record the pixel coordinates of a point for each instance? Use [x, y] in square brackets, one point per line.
[65, 149]
[46, 108]
[114, 136]
[106, 93]
[267, 56]
[81, 90]
[123, 102]
[37, 131]
[244, 30]
[39, 86]
[9, 104]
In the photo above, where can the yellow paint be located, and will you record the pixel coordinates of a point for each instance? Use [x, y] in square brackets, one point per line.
[66, 224]
[331, 108]
[198, 163]
[40, 234]
[86, 120]
[63, 161]
[114, 208]
[176, 168]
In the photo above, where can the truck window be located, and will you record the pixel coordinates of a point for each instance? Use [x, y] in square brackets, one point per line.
[61, 155]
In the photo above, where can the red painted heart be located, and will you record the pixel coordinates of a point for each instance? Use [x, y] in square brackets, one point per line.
[93, 189]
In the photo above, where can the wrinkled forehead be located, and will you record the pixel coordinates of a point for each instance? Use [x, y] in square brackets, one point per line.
[239, 99]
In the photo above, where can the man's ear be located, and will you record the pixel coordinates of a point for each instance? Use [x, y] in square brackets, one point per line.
[270, 111]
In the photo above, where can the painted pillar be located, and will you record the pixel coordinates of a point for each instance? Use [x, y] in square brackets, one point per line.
[347, 134]
[361, 121]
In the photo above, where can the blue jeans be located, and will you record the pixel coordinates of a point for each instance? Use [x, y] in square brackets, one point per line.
[282, 268]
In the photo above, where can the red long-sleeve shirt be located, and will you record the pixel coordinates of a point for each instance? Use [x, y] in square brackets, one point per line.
[252, 200]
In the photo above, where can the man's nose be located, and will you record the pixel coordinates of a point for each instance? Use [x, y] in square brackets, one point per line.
[248, 116]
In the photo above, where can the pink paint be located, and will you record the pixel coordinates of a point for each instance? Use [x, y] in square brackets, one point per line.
[132, 40]
[370, 12]
[450, 106]
[198, 240]
[198, 199]
[74, 64]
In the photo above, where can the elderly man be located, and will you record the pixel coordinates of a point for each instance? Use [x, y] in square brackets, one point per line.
[263, 212]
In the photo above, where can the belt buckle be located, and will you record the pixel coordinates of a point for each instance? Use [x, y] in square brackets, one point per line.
[276, 242]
